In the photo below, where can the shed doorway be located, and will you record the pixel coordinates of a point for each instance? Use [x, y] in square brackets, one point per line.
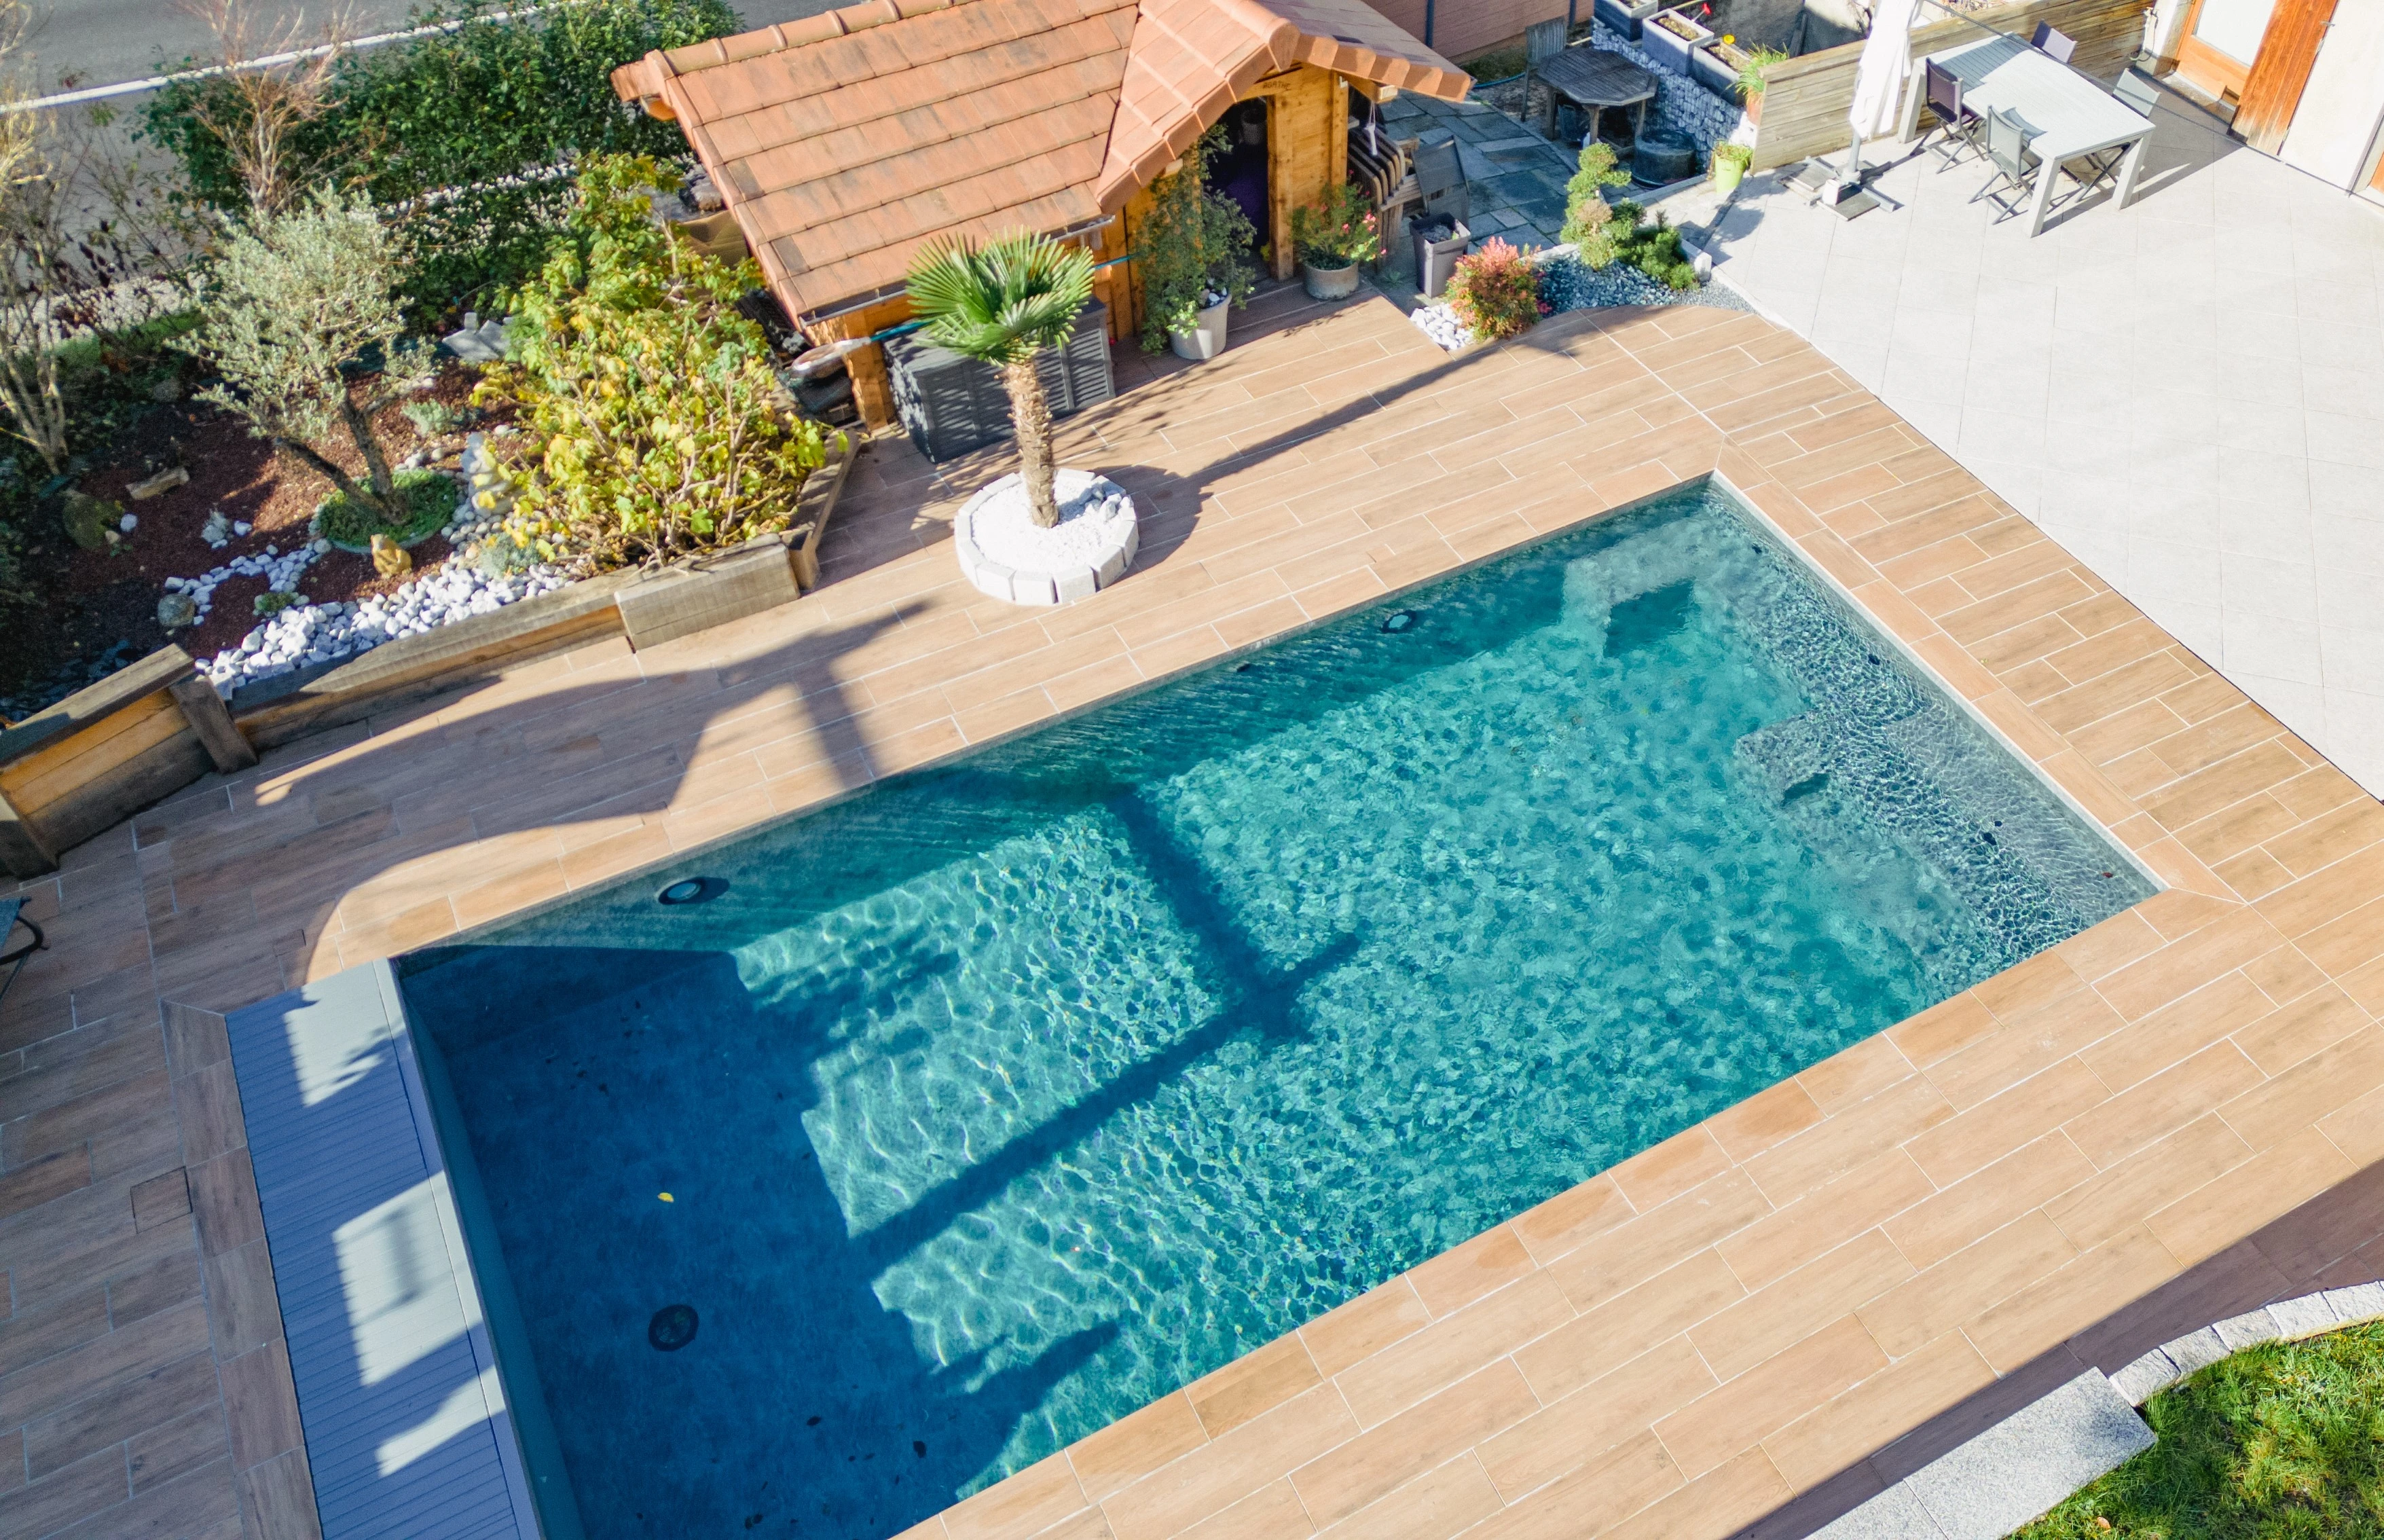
[1242, 172]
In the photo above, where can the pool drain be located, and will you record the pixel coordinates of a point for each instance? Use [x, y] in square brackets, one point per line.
[1400, 621]
[692, 890]
[671, 1328]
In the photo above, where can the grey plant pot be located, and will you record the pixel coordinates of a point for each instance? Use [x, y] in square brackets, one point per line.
[1329, 283]
[1206, 337]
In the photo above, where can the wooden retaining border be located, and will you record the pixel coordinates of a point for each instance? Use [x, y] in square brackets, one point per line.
[102, 753]
[1804, 100]
[141, 734]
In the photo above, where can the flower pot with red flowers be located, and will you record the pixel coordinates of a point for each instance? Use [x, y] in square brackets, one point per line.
[1332, 236]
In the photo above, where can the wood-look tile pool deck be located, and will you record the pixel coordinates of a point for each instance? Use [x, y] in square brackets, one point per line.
[1735, 1329]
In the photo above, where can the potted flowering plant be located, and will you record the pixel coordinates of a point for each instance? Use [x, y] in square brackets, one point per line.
[1332, 236]
[1191, 250]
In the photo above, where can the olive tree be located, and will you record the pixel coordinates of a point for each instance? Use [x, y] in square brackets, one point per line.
[300, 299]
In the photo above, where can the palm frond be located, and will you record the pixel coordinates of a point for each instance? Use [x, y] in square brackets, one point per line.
[999, 302]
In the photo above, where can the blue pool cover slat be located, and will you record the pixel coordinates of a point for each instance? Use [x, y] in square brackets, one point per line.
[407, 1428]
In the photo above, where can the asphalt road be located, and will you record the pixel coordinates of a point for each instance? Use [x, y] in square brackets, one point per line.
[88, 42]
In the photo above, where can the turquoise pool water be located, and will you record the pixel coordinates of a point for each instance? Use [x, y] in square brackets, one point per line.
[1006, 1097]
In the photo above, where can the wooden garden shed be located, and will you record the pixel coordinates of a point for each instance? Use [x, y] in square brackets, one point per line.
[842, 142]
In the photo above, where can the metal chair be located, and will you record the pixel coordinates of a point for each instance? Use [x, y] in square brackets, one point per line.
[2138, 94]
[1957, 125]
[2055, 44]
[2008, 189]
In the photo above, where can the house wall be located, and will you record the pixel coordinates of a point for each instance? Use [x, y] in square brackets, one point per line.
[1455, 28]
[2342, 107]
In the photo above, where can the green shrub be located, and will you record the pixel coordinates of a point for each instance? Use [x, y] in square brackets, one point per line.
[1496, 291]
[476, 116]
[297, 300]
[1751, 67]
[1589, 221]
[1192, 243]
[654, 424]
[1338, 230]
[1740, 155]
[430, 417]
[426, 497]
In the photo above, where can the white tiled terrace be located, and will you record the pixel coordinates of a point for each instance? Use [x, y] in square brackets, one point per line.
[2188, 393]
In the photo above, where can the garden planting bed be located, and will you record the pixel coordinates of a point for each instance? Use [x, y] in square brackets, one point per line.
[100, 607]
[1567, 283]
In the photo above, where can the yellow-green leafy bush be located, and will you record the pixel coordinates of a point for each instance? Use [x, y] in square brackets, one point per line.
[655, 425]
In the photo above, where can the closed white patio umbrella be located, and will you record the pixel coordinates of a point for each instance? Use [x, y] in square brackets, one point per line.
[1879, 77]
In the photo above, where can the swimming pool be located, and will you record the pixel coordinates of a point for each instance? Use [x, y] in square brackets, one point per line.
[999, 1100]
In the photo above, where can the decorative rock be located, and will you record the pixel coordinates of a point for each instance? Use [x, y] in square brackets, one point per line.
[1005, 555]
[177, 610]
[89, 522]
[320, 632]
[129, 523]
[2248, 1330]
[164, 481]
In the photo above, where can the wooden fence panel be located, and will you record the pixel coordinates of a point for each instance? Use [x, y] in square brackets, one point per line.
[1804, 100]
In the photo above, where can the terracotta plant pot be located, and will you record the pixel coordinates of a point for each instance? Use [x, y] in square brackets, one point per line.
[1330, 284]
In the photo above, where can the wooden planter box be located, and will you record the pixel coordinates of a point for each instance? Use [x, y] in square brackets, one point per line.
[646, 608]
[1627, 16]
[104, 753]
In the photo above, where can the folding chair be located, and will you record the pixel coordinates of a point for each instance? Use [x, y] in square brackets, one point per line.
[2138, 94]
[1957, 125]
[2052, 42]
[2007, 153]
[12, 914]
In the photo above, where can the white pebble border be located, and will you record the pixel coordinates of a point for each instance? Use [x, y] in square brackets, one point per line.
[1003, 553]
[307, 634]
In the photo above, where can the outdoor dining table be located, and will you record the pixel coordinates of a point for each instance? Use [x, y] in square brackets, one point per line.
[2066, 115]
[1591, 78]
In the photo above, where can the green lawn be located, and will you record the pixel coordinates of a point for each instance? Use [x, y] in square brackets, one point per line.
[2284, 1442]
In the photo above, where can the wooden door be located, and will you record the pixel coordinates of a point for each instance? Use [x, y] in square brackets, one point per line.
[2221, 43]
[2287, 51]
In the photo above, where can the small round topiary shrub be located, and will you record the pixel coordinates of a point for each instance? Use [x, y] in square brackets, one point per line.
[428, 497]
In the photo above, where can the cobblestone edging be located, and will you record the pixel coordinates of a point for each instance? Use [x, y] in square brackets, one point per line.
[2035, 1458]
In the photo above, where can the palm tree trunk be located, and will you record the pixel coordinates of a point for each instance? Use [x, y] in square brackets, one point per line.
[1030, 418]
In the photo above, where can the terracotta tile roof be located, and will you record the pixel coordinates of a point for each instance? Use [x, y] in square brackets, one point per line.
[843, 141]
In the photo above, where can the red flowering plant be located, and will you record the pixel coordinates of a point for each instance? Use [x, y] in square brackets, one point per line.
[1496, 291]
[1340, 229]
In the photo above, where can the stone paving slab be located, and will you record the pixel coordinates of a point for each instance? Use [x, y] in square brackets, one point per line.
[1759, 1311]
[2187, 394]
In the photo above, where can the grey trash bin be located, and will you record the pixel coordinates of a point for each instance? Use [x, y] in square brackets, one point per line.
[1439, 242]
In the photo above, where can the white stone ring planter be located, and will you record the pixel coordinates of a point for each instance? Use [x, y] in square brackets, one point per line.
[1004, 553]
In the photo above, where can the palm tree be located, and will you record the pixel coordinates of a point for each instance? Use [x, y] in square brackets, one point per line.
[1002, 303]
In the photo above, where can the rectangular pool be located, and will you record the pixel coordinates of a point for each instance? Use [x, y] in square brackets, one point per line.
[1006, 1097]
